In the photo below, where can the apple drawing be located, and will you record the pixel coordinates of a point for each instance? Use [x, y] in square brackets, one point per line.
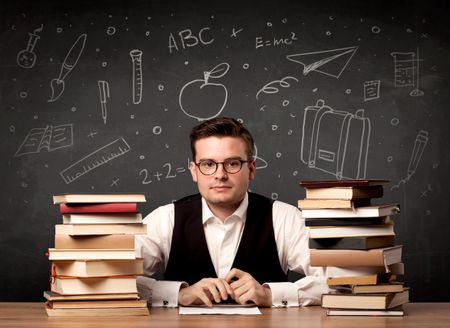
[202, 99]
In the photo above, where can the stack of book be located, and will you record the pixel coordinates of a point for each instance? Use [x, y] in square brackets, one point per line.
[93, 262]
[354, 240]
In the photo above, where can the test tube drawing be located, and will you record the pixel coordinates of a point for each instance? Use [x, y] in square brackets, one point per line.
[416, 92]
[419, 146]
[136, 57]
[26, 58]
[103, 88]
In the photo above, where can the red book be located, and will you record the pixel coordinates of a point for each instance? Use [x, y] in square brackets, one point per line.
[65, 208]
[341, 183]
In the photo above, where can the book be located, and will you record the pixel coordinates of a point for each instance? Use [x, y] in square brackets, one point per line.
[79, 286]
[99, 198]
[98, 242]
[349, 258]
[91, 254]
[365, 301]
[342, 183]
[348, 193]
[97, 304]
[107, 312]
[314, 222]
[352, 242]
[65, 208]
[100, 229]
[337, 272]
[366, 211]
[332, 203]
[397, 311]
[52, 296]
[371, 279]
[102, 218]
[97, 268]
[351, 231]
[392, 287]
[49, 138]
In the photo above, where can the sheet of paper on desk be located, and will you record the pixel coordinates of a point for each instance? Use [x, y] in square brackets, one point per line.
[219, 310]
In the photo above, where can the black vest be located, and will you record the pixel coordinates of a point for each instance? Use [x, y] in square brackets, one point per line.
[189, 258]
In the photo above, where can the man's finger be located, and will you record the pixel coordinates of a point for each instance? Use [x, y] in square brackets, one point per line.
[234, 273]
[212, 288]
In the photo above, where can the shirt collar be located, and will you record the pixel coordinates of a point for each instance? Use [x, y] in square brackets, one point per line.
[241, 211]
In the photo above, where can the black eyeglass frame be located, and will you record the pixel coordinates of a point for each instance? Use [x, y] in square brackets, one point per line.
[241, 161]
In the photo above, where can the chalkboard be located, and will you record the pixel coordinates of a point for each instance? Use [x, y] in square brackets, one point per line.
[101, 96]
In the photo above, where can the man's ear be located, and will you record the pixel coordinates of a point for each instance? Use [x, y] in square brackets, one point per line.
[193, 170]
[252, 169]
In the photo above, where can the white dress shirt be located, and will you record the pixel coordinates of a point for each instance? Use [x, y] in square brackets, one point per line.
[222, 238]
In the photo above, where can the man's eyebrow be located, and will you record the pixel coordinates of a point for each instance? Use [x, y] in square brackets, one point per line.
[226, 159]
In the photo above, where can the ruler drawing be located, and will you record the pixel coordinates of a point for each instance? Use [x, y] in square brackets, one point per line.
[95, 159]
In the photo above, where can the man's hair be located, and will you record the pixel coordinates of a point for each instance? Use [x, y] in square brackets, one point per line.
[222, 127]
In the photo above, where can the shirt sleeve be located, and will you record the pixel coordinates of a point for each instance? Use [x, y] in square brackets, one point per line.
[292, 238]
[154, 248]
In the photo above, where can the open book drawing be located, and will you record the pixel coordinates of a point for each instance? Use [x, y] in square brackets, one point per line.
[49, 138]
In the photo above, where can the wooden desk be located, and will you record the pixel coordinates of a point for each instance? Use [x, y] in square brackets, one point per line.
[424, 315]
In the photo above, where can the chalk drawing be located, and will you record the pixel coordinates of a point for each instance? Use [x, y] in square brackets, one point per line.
[136, 58]
[419, 145]
[169, 173]
[26, 58]
[213, 96]
[272, 87]
[372, 90]
[329, 62]
[57, 85]
[103, 89]
[49, 138]
[406, 71]
[260, 162]
[336, 142]
[235, 32]
[95, 159]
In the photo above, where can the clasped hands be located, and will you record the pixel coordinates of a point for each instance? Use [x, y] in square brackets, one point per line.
[237, 285]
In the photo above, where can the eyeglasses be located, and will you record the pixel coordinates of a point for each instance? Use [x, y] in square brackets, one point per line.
[231, 165]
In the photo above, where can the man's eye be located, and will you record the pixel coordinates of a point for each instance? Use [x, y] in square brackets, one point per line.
[208, 164]
[233, 163]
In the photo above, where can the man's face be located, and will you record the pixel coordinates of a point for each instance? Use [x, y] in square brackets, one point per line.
[222, 189]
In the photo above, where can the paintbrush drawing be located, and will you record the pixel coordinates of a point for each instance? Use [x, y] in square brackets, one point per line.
[70, 61]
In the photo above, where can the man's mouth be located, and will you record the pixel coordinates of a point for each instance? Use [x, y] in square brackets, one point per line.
[220, 188]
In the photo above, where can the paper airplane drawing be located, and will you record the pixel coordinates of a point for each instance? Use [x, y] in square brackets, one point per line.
[328, 62]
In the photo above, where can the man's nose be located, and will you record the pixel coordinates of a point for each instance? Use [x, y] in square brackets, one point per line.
[221, 173]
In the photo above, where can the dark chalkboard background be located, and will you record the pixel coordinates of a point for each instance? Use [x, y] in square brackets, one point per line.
[391, 60]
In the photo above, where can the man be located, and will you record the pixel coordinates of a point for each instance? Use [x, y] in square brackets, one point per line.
[226, 243]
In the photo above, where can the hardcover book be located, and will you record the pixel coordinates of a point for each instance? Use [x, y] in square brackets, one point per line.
[351, 258]
[351, 242]
[100, 229]
[351, 231]
[65, 208]
[347, 193]
[91, 254]
[98, 198]
[102, 218]
[94, 241]
[365, 301]
[80, 286]
[342, 183]
[97, 268]
[332, 203]
[366, 211]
